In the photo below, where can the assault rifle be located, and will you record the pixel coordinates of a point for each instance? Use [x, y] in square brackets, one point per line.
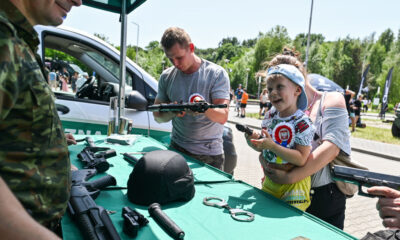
[365, 178]
[199, 107]
[93, 220]
[96, 157]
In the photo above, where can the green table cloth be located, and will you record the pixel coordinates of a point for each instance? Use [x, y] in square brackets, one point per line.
[274, 219]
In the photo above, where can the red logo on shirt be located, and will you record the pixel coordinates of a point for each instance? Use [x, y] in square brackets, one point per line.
[196, 97]
[283, 134]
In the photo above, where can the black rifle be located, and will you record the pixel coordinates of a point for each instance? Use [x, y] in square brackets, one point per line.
[96, 157]
[199, 107]
[365, 178]
[93, 220]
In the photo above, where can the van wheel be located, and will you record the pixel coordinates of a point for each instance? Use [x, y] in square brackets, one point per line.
[395, 130]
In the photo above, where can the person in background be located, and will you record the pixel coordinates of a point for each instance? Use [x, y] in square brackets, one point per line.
[82, 80]
[192, 79]
[238, 96]
[34, 158]
[66, 75]
[348, 96]
[53, 79]
[64, 82]
[243, 103]
[287, 133]
[327, 110]
[263, 103]
[365, 104]
[357, 105]
[74, 78]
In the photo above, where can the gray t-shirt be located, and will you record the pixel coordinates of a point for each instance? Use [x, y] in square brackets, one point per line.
[331, 125]
[196, 134]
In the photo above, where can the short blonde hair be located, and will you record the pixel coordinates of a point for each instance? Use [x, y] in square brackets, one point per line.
[175, 35]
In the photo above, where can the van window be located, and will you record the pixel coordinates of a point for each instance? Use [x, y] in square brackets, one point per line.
[98, 63]
[111, 66]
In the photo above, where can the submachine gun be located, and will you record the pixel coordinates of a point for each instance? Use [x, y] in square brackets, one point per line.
[96, 157]
[365, 178]
[93, 220]
[199, 107]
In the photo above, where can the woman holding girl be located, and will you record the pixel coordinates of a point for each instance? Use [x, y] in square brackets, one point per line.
[327, 110]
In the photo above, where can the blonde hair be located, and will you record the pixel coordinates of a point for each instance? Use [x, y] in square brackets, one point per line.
[175, 35]
[288, 56]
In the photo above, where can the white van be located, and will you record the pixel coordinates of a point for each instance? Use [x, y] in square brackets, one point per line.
[87, 110]
[88, 113]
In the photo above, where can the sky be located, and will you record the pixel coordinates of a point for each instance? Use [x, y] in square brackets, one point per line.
[209, 21]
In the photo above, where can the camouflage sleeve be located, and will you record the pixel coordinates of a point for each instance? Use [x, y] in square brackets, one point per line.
[9, 66]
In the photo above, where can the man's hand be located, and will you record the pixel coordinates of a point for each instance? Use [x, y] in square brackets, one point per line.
[70, 139]
[388, 205]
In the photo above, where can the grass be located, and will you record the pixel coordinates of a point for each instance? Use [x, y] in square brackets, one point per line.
[376, 134]
[253, 115]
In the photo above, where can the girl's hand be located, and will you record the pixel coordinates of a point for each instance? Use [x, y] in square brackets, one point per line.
[249, 138]
[264, 143]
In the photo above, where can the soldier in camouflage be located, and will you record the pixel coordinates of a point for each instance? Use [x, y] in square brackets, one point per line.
[34, 161]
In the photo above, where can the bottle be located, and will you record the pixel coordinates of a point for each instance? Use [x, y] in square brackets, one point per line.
[112, 115]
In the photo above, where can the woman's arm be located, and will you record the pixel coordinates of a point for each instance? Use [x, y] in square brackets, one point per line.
[318, 159]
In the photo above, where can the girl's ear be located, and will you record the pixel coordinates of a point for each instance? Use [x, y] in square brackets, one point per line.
[298, 91]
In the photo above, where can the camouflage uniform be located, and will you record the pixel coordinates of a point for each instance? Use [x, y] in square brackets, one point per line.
[34, 159]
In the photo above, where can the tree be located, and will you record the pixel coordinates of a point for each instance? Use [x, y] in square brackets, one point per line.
[301, 39]
[153, 45]
[103, 37]
[386, 39]
[249, 42]
[232, 40]
[269, 45]
[239, 73]
[376, 57]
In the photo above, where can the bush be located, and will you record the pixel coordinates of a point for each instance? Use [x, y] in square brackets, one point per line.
[390, 107]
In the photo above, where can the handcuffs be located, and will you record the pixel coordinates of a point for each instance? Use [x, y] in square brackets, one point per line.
[235, 212]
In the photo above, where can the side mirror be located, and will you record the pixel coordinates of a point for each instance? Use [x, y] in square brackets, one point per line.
[135, 100]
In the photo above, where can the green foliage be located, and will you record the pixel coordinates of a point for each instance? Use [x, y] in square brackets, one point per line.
[249, 42]
[269, 45]
[341, 61]
[54, 54]
[390, 107]
[386, 39]
[232, 40]
[376, 58]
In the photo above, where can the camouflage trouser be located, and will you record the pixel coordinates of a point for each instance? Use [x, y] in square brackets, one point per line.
[216, 161]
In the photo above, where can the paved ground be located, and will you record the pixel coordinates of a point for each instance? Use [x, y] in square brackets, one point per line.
[361, 215]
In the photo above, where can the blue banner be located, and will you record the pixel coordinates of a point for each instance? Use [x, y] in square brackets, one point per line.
[386, 92]
[364, 76]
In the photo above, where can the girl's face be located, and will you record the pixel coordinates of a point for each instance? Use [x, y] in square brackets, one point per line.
[283, 94]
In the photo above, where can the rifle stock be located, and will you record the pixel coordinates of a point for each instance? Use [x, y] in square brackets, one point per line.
[92, 220]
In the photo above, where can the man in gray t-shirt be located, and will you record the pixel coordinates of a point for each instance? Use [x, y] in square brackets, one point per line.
[192, 79]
